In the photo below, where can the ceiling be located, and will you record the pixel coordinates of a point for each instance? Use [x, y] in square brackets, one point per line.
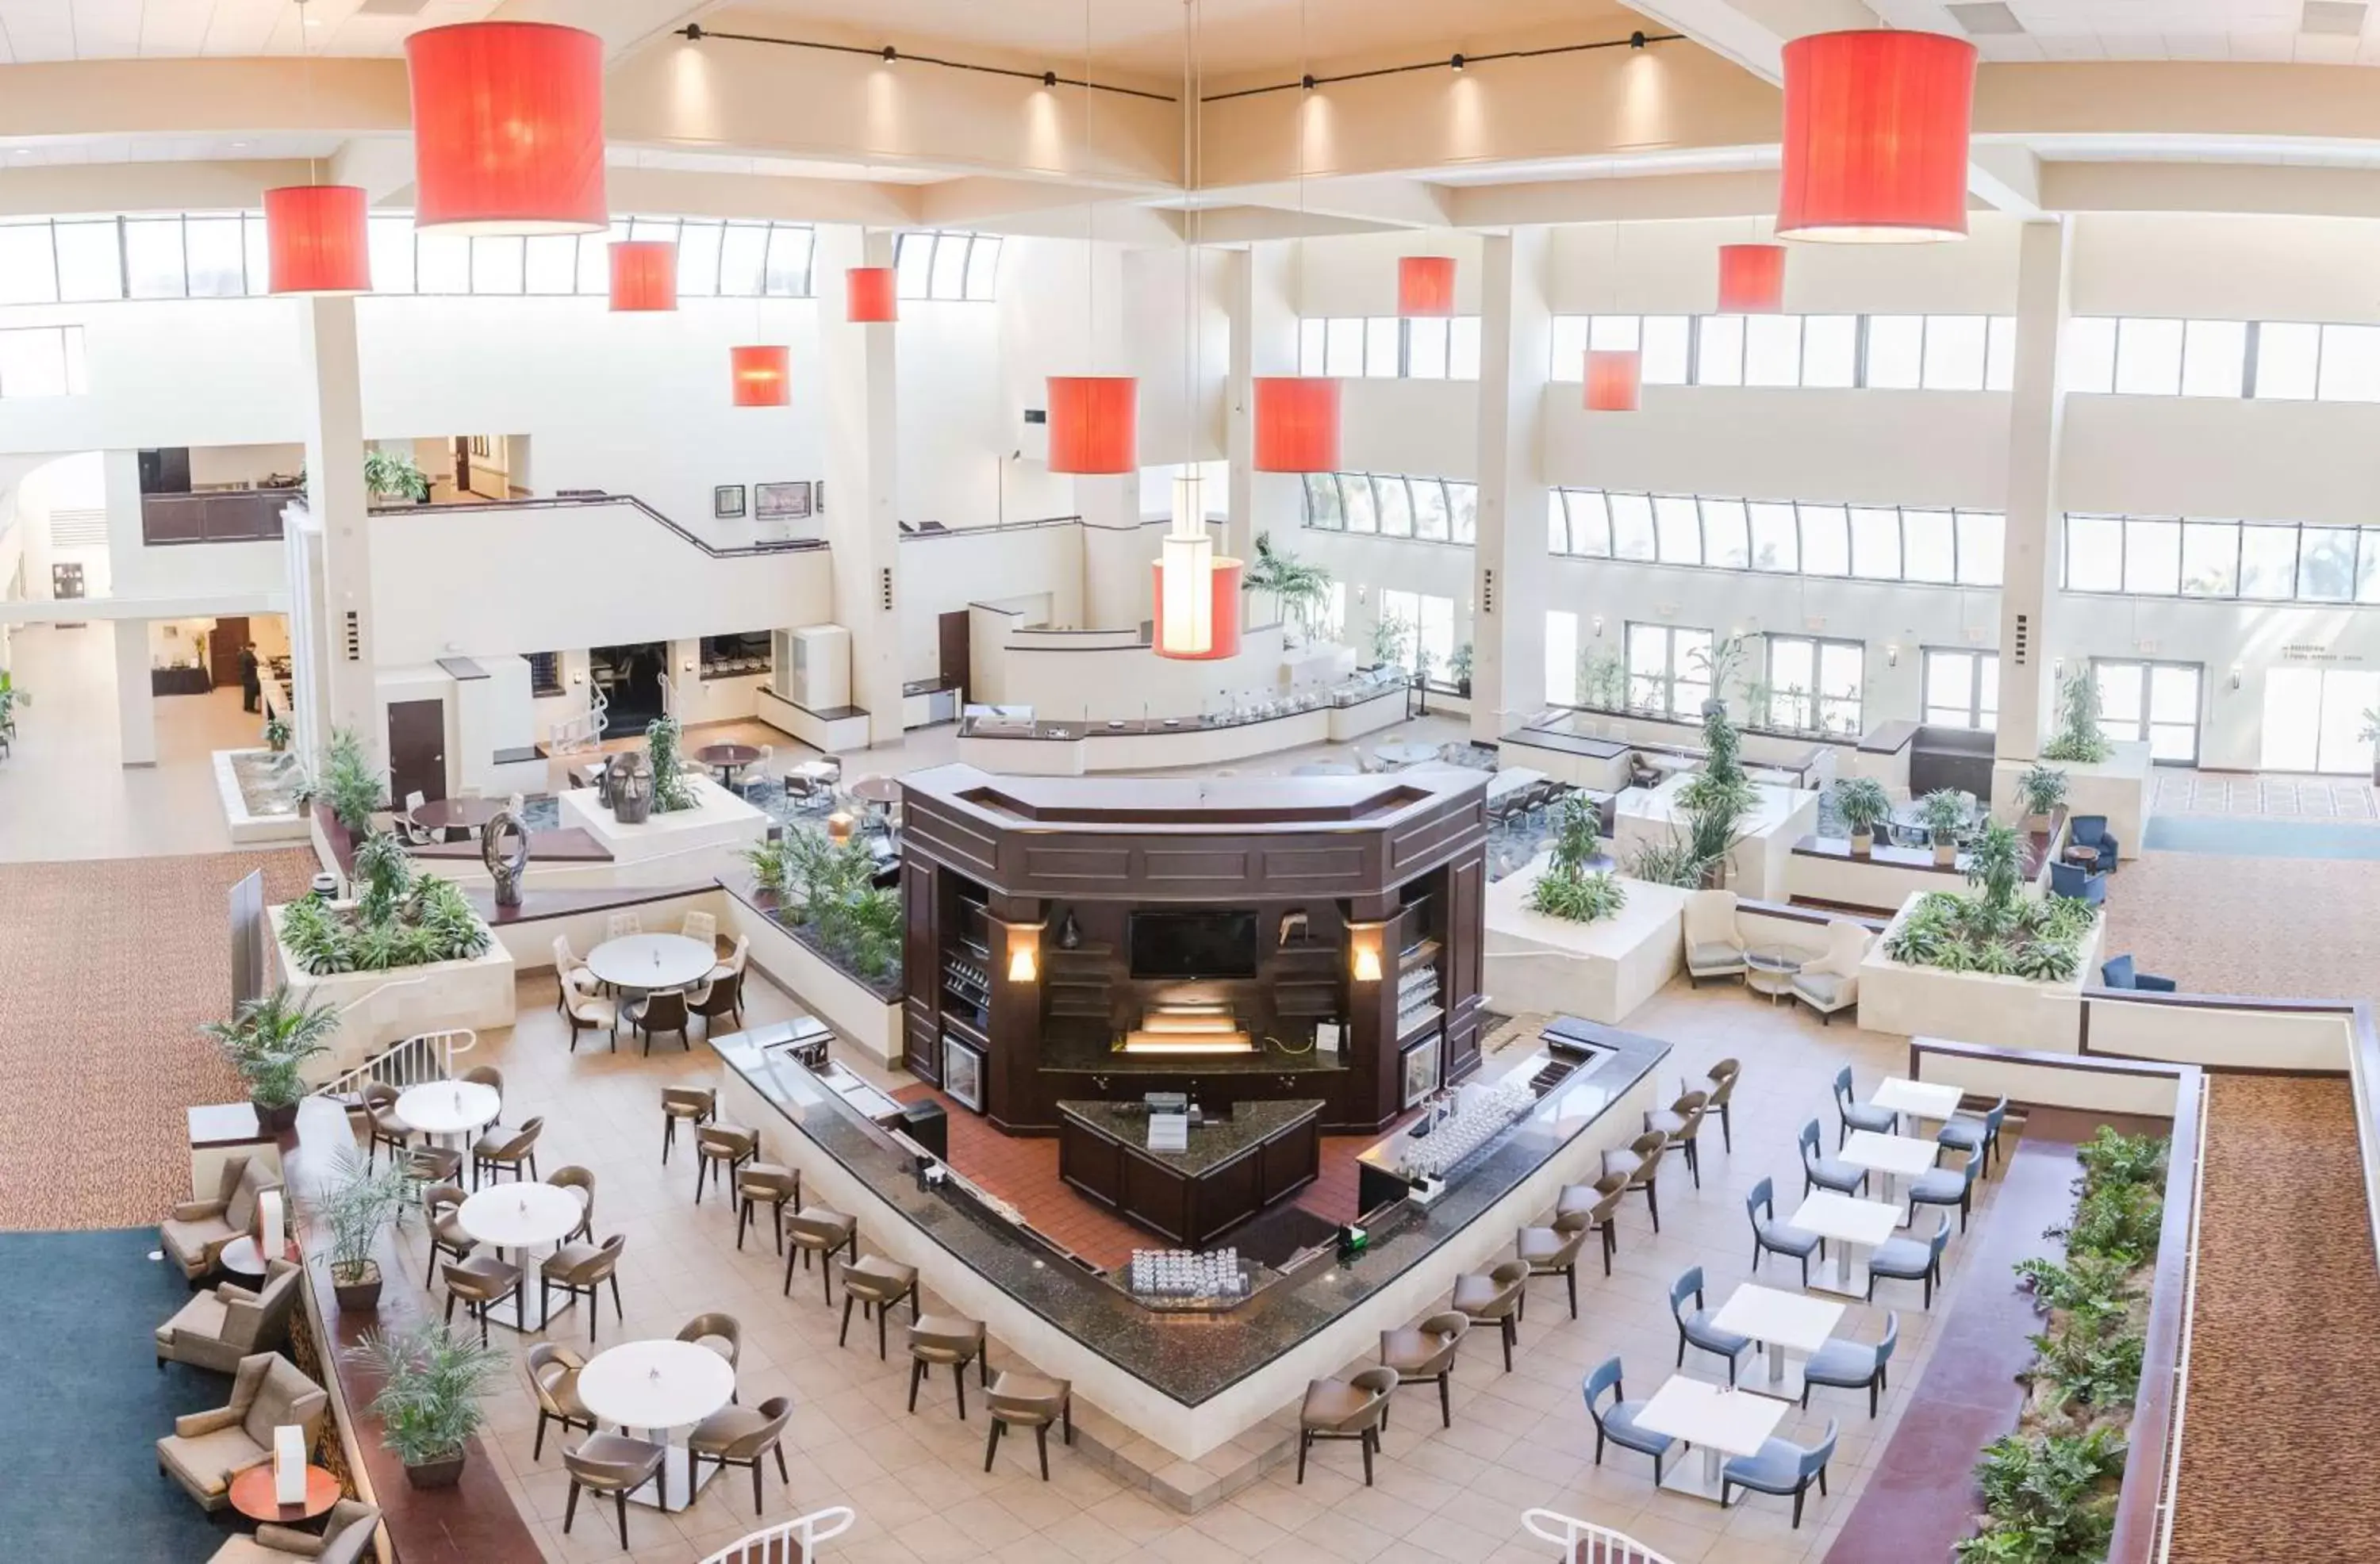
[2267, 30]
[35, 31]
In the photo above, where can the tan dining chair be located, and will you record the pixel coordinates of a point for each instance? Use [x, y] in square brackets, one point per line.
[876, 1284]
[723, 1334]
[501, 1151]
[480, 1283]
[720, 1150]
[580, 1182]
[580, 1269]
[820, 1231]
[446, 1235]
[613, 1466]
[1354, 1408]
[691, 1105]
[951, 1339]
[1495, 1297]
[553, 1376]
[1681, 1121]
[1017, 1400]
[772, 1185]
[739, 1437]
[1424, 1353]
[385, 1127]
[1723, 1076]
[1640, 1161]
[1553, 1250]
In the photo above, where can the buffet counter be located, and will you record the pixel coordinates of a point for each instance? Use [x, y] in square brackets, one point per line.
[1232, 1166]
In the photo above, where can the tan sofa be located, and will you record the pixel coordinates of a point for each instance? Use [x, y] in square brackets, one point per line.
[346, 1538]
[207, 1450]
[218, 1329]
[195, 1234]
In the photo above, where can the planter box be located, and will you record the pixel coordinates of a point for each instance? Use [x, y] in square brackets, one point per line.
[1970, 1007]
[1601, 970]
[1758, 868]
[381, 1008]
[857, 1013]
[2119, 787]
[249, 829]
[676, 848]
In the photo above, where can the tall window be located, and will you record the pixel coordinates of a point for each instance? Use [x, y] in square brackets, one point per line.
[41, 361]
[949, 267]
[1429, 628]
[1386, 347]
[1669, 671]
[1561, 658]
[2192, 557]
[2268, 360]
[2157, 701]
[1868, 542]
[1815, 685]
[1962, 688]
[1886, 352]
[1432, 510]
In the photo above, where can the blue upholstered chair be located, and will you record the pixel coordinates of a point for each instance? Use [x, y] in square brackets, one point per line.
[2091, 830]
[1696, 1330]
[1771, 1236]
[2120, 973]
[2074, 879]
[1853, 1365]
[1906, 1259]
[1617, 1422]
[1821, 1172]
[1857, 1115]
[1977, 1136]
[1948, 1186]
[1781, 1468]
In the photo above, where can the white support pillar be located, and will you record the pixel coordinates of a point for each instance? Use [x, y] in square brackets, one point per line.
[2036, 416]
[1510, 589]
[136, 702]
[336, 499]
[858, 386]
[1264, 342]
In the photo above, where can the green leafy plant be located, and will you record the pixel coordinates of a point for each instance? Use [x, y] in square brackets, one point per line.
[2078, 738]
[358, 1203]
[348, 783]
[767, 861]
[1458, 667]
[1863, 803]
[393, 475]
[1718, 662]
[1603, 681]
[12, 697]
[664, 744]
[2048, 1500]
[412, 922]
[1996, 865]
[1390, 633]
[2040, 790]
[1301, 589]
[268, 1040]
[2040, 940]
[1942, 812]
[1715, 799]
[1578, 898]
[1672, 862]
[829, 893]
[276, 733]
[431, 1384]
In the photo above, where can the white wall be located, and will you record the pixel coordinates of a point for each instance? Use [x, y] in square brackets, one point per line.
[942, 574]
[220, 465]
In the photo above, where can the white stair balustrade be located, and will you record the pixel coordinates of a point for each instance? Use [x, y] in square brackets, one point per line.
[789, 1542]
[1582, 1542]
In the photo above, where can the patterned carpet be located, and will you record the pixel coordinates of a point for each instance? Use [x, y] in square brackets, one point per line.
[2275, 926]
[2276, 1454]
[112, 964]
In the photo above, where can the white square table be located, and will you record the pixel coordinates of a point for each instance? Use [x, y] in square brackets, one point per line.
[1853, 1225]
[1917, 1100]
[1781, 1323]
[1897, 1157]
[1719, 1421]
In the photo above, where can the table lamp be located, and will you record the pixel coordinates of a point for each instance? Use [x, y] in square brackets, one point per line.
[289, 1464]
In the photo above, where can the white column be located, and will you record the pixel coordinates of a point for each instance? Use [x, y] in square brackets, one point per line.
[1510, 573]
[1264, 342]
[336, 497]
[2036, 414]
[136, 704]
[858, 383]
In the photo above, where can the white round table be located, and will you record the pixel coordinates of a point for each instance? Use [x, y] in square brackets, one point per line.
[1404, 752]
[648, 963]
[512, 1216]
[450, 1108]
[658, 1385]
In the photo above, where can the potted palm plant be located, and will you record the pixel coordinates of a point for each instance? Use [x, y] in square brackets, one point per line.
[1458, 668]
[267, 1041]
[1863, 805]
[277, 733]
[2039, 792]
[1944, 813]
[391, 476]
[358, 1204]
[429, 1404]
[1298, 588]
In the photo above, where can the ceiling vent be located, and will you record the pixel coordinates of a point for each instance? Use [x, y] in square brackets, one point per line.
[1991, 19]
[2337, 19]
[391, 7]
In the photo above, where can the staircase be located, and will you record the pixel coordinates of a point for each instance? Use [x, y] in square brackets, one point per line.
[791, 1542]
[1586, 1542]
[415, 1061]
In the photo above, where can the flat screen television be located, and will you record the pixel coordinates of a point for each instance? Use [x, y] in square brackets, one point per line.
[1194, 944]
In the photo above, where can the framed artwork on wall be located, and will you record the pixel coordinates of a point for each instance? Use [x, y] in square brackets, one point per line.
[776, 502]
[727, 500]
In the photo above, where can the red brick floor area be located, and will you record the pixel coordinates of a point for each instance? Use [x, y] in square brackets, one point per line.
[1023, 1172]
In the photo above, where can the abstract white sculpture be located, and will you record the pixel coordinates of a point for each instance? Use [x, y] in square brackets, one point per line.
[289, 1464]
[271, 1236]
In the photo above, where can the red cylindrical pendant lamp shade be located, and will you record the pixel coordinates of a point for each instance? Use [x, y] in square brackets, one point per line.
[508, 128]
[1751, 279]
[644, 275]
[1222, 614]
[1425, 285]
[763, 376]
[1093, 423]
[315, 237]
[1297, 424]
[1613, 376]
[869, 294]
[1876, 136]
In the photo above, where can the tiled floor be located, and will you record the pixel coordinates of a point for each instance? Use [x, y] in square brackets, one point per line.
[1518, 1439]
[2290, 797]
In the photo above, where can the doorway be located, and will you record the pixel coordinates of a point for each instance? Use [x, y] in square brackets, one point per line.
[954, 632]
[417, 750]
[2157, 701]
[225, 643]
[2313, 719]
[630, 678]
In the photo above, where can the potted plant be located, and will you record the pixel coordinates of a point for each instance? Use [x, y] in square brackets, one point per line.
[2039, 792]
[266, 1042]
[1863, 805]
[12, 697]
[1458, 668]
[429, 1404]
[1944, 812]
[346, 781]
[277, 733]
[1389, 633]
[2078, 738]
[2368, 733]
[358, 1204]
[391, 476]
[1299, 589]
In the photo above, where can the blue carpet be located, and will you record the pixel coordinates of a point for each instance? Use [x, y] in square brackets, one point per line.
[86, 1403]
[2262, 837]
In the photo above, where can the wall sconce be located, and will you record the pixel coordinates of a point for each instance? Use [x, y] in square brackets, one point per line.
[1599, 626]
[2235, 675]
[838, 827]
[1023, 940]
[1891, 654]
[1365, 940]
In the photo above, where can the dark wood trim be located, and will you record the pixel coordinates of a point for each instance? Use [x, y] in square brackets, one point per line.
[538, 905]
[1889, 738]
[214, 1126]
[1816, 913]
[570, 844]
[2104, 1064]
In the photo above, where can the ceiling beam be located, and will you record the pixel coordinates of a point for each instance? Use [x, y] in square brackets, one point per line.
[59, 189]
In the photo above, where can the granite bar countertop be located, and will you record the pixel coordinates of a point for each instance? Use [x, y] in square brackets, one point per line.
[1212, 1143]
[1188, 1358]
[1078, 1051]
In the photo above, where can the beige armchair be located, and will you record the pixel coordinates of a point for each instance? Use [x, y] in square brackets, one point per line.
[1714, 943]
[1831, 982]
[207, 1450]
[218, 1329]
[346, 1539]
[197, 1230]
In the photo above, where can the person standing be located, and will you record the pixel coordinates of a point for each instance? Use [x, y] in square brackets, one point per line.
[251, 687]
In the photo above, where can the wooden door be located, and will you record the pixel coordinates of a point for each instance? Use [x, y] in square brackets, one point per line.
[417, 750]
[462, 465]
[223, 650]
[954, 643]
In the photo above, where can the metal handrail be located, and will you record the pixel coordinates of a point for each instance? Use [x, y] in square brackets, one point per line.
[775, 1542]
[2172, 1481]
[411, 1061]
[771, 546]
[1019, 525]
[1601, 1544]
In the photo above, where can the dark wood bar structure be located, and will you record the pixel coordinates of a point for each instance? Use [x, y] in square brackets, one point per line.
[1232, 1169]
[1236, 940]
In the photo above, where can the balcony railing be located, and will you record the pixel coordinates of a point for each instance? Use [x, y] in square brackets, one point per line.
[231, 516]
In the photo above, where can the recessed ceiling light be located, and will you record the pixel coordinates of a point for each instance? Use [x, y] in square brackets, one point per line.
[1990, 18]
[2340, 18]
